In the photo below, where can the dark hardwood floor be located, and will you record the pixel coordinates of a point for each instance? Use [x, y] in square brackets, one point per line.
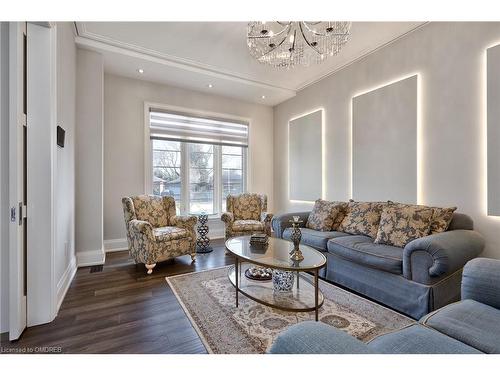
[120, 309]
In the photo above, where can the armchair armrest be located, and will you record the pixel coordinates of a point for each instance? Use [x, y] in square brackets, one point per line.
[141, 241]
[141, 228]
[317, 338]
[227, 218]
[440, 254]
[281, 222]
[186, 222]
[481, 281]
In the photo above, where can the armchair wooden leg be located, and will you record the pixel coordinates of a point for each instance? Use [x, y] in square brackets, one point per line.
[150, 268]
[193, 257]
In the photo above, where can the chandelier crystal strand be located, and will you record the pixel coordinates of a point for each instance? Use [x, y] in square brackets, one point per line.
[288, 44]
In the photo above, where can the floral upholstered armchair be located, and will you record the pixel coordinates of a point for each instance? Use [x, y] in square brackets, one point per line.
[246, 214]
[154, 232]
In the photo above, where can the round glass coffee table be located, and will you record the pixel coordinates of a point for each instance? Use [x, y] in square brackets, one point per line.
[305, 294]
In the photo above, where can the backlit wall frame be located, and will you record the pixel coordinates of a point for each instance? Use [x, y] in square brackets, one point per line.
[306, 157]
[385, 142]
[493, 130]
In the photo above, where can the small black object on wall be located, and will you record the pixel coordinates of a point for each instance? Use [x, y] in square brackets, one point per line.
[61, 133]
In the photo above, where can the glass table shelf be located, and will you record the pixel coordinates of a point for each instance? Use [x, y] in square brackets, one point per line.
[299, 299]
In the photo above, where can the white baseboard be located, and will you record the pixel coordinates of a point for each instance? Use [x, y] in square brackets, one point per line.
[216, 234]
[118, 244]
[90, 258]
[65, 282]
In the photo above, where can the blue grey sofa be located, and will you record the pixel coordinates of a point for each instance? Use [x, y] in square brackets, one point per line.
[415, 280]
[469, 326]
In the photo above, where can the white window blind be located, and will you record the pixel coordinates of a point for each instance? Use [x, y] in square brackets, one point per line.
[176, 126]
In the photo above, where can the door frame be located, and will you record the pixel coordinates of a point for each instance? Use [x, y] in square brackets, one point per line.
[32, 284]
[41, 169]
[17, 119]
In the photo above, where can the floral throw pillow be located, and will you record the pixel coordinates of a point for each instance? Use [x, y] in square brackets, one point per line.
[441, 219]
[323, 216]
[400, 224]
[362, 218]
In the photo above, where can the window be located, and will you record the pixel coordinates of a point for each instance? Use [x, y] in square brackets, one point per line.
[167, 169]
[232, 172]
[196, 160]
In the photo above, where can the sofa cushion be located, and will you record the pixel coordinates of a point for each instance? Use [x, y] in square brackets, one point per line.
[313, 237]
[470, 322]
[362, 218]
[400, 224]
[317, 338]
[170, 233]
[417, 339]
[362, 250]
[247, 225]
[324, 215]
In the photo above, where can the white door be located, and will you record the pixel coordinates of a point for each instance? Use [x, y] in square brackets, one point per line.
[17, 178]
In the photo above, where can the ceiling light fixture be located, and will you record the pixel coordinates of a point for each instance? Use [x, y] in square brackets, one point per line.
[288, 44]
[210, 85]
[140, 70]
[263, 96]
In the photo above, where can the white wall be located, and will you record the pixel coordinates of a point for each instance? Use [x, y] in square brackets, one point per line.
[4, 176]
[124, 139]
[65, 261]
[450, 57]
[89, 158]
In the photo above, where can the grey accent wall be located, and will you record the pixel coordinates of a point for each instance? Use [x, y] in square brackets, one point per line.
[451, 59]
[384, 141]
[124, 140]
[89, 156]
[493, 116]
[305, 157]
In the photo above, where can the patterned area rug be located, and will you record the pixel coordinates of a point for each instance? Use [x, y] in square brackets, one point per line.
[208, 298]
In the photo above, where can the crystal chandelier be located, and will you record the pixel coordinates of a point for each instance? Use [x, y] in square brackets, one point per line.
[287, 44]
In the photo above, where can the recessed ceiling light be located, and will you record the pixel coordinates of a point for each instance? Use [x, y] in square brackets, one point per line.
[263, 96]
[140, 70]
[210, 85]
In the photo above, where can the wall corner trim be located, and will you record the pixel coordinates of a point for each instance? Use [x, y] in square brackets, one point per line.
[65, 282]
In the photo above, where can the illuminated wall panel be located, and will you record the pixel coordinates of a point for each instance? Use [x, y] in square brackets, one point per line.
[493, 133]
[305, 157]
[384, 142]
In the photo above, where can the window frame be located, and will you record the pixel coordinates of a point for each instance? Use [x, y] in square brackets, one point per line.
[185, 159]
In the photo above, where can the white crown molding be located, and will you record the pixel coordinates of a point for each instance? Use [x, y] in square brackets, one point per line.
[95, 41]
[91, 40]
[311, 82]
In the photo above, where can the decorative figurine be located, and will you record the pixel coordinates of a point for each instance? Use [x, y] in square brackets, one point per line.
[296, 235]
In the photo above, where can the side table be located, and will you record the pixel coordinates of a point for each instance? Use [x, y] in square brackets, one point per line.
[203, 242]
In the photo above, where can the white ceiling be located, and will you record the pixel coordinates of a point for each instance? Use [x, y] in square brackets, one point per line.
[195, 54]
